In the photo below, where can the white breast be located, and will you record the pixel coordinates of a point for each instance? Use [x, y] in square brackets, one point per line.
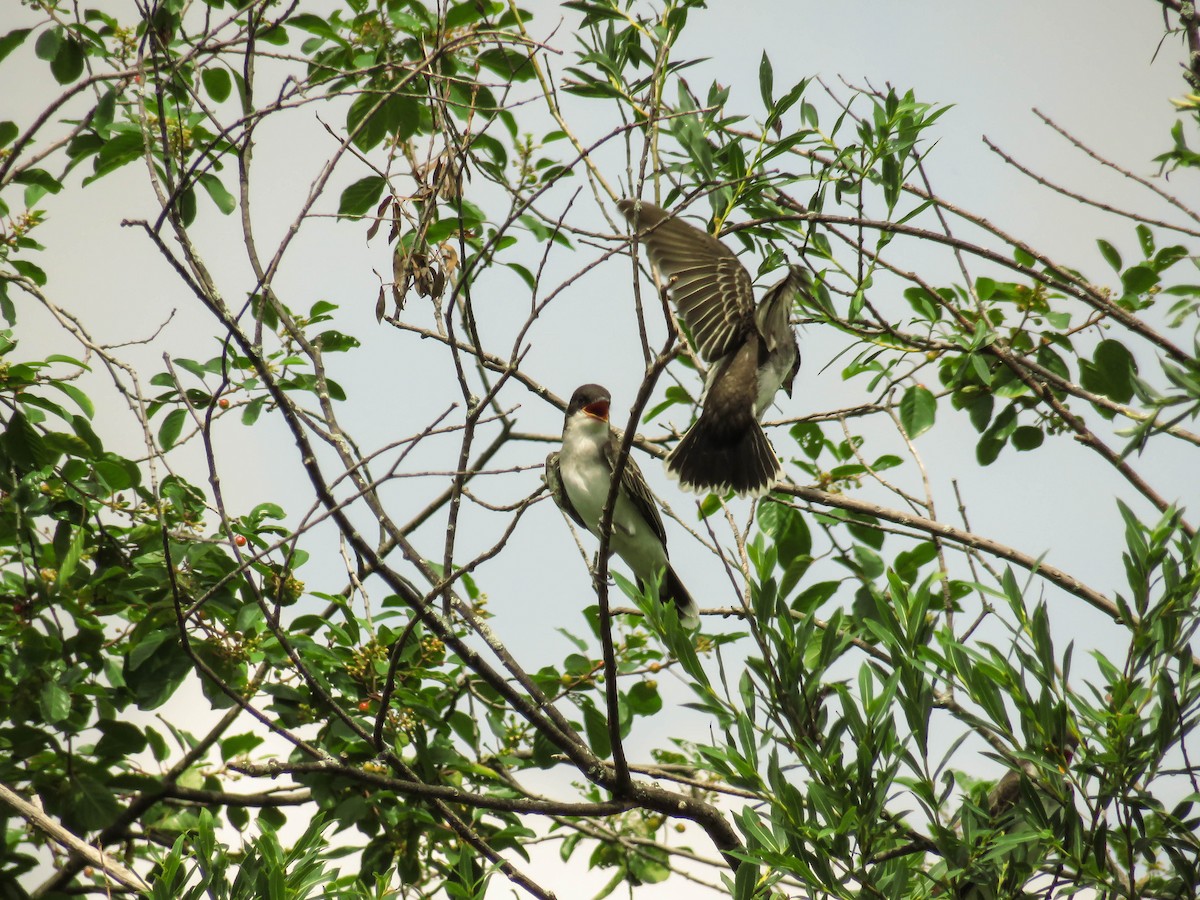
[586, 479]
[585, 474]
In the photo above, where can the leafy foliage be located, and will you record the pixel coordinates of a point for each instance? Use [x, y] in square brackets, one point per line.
[368, 732]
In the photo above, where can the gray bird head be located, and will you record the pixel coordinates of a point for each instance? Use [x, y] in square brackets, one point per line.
[591, 399]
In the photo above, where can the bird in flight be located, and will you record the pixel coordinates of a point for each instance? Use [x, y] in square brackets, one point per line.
[751, 350]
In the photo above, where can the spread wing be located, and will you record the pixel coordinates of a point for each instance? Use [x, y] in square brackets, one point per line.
[711, 289]
[773, 314]
[772, 317]
[633, 483]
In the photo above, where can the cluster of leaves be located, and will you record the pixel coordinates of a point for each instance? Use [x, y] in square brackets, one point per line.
[842, 709]
[88, 624]
[115, 592]
[1069, 810]
[1016, 356]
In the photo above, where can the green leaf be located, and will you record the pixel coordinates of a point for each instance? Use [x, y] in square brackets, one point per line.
[808, 112]
[509, 64]
[68, 444]
[267, 511]
[239, 817]
[908, 563]
[70, 559]
[868, 562]
[155, 667]
[864, 527]
[709, 505]
[577, 664]
[120, 149]
[596, 727]
[917, 410]
[216, 190]
[69, 360]
[120, 739]
[39, 183]
[1146, 239]
[8, 133]
[106, 108]
[644, 699]
[887, 461]
[979, 409]
[320, 310]
[253, 410]
[1110, 372]
[442, 229]
[144, 649]
[337, 342]
[67, 64]
[158, 745]
[239, 745]
[23, 444]
[93, 805]
[811, 598]
[1139, 279]
[314, 24]
[33, 272]
[360, 197]
[81, 428]
[1110, 254]
[54, 702]
[12, 41]
[766, 81]
[1027, 437]
[372, 120]
[746, 880]
[82, 400]
[273, 35]
[217, 82]
[168, 432]
[1168, 256]
[793, 540]
[648, 867]
[891, 175]
[198, 369]
[989, 448]
[809, 438]
[186, 204]
[118, 474]
[48, 43]
[462, 14]
[925, 304]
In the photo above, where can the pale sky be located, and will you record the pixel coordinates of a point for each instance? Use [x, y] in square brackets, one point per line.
[1087, 65]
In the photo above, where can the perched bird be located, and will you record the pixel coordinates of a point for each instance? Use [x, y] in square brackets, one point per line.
[751, 349]
[579, 476]
[1010, 845]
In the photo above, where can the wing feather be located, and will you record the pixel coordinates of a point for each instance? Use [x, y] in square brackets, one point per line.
[553, 479]
[711, 289]
[633, 482]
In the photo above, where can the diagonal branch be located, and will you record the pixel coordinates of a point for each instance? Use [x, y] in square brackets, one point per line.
[44, 823]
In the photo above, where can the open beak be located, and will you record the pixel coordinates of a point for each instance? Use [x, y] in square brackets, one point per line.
[598, 410]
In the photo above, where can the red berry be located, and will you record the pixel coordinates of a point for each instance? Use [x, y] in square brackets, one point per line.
[240, 540]
[223, 403]
[364, 705]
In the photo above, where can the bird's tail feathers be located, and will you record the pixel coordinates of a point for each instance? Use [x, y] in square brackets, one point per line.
[673, 591]
[706, 460]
